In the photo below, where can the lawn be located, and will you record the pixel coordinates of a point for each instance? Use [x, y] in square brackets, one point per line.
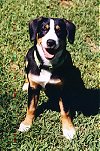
[45, 133]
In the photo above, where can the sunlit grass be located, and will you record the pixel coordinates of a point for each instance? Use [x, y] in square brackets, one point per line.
[45, 133]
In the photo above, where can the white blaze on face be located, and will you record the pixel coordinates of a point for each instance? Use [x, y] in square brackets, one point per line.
[45, 55]
[50, 35]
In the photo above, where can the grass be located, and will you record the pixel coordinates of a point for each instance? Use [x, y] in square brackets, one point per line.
[46, 134]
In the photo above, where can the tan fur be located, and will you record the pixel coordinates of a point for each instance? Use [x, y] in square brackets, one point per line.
[31, 111]
[39, 40]
[65, 117]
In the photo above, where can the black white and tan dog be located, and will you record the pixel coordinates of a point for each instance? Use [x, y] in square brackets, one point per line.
[47, 66]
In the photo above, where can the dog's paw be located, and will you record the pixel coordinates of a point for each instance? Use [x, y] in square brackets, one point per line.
[23, 127]
[69, 133]
[25, 86]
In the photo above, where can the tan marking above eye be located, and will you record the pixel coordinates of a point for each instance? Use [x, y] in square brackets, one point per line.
[47, 26]
[57, 27]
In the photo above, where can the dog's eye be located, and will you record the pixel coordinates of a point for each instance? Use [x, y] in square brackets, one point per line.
[58, 27]
[46, 27]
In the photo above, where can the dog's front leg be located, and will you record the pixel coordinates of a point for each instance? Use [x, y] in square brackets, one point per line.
[67, 126]
[33, 95]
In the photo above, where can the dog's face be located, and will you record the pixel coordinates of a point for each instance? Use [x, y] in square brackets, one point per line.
[50, 34]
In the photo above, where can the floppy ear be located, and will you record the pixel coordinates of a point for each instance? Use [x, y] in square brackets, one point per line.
[33, 25]
[71, 28]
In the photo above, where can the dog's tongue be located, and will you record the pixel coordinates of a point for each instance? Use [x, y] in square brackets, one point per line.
[47, 54]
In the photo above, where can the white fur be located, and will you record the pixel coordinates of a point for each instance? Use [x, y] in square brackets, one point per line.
[50, 35]
[36, 59]
[42, 79]
[23, 127]
[25, 86]
[69, 134]
[54, 81]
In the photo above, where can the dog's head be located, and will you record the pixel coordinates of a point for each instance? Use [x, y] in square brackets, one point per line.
[50, 34]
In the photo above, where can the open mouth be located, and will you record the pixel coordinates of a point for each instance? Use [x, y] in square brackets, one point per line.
[48, 53]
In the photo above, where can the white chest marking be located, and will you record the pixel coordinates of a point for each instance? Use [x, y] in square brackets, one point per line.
[42, 79]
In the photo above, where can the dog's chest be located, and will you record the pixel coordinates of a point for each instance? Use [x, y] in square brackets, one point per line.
[44, 78]
[45, 75]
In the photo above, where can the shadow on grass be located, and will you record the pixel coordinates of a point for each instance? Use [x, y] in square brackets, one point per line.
[80, 99]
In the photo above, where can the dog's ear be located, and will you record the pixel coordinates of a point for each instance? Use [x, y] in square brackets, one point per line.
[71, 28]
[33, 25]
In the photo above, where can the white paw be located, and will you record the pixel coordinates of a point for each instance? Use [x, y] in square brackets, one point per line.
[23, 127]
[69, 134]
[25, 87]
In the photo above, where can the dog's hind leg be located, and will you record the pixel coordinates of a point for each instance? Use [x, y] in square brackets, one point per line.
[33, 96]
[67, 126]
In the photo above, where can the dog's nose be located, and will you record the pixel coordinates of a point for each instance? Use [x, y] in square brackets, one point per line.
[51, 43]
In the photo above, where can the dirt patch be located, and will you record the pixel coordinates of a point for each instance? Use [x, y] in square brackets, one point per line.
[92, 45]
[14, 66]
[66, 3]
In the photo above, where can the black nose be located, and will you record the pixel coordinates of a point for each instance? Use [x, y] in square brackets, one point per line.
[51, 43]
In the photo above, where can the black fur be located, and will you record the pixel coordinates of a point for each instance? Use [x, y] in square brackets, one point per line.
[38, 26]
[63, 72]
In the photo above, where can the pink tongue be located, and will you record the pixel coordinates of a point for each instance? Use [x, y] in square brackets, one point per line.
[47, 55]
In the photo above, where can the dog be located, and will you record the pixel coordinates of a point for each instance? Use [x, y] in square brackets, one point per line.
[47, 65]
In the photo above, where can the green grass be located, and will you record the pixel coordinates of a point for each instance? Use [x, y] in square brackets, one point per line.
[45, 134]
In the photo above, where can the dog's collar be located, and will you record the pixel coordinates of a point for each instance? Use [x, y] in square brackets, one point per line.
[45, 67]
[40, 64]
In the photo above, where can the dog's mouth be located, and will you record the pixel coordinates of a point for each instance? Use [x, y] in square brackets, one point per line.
[49, 53]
